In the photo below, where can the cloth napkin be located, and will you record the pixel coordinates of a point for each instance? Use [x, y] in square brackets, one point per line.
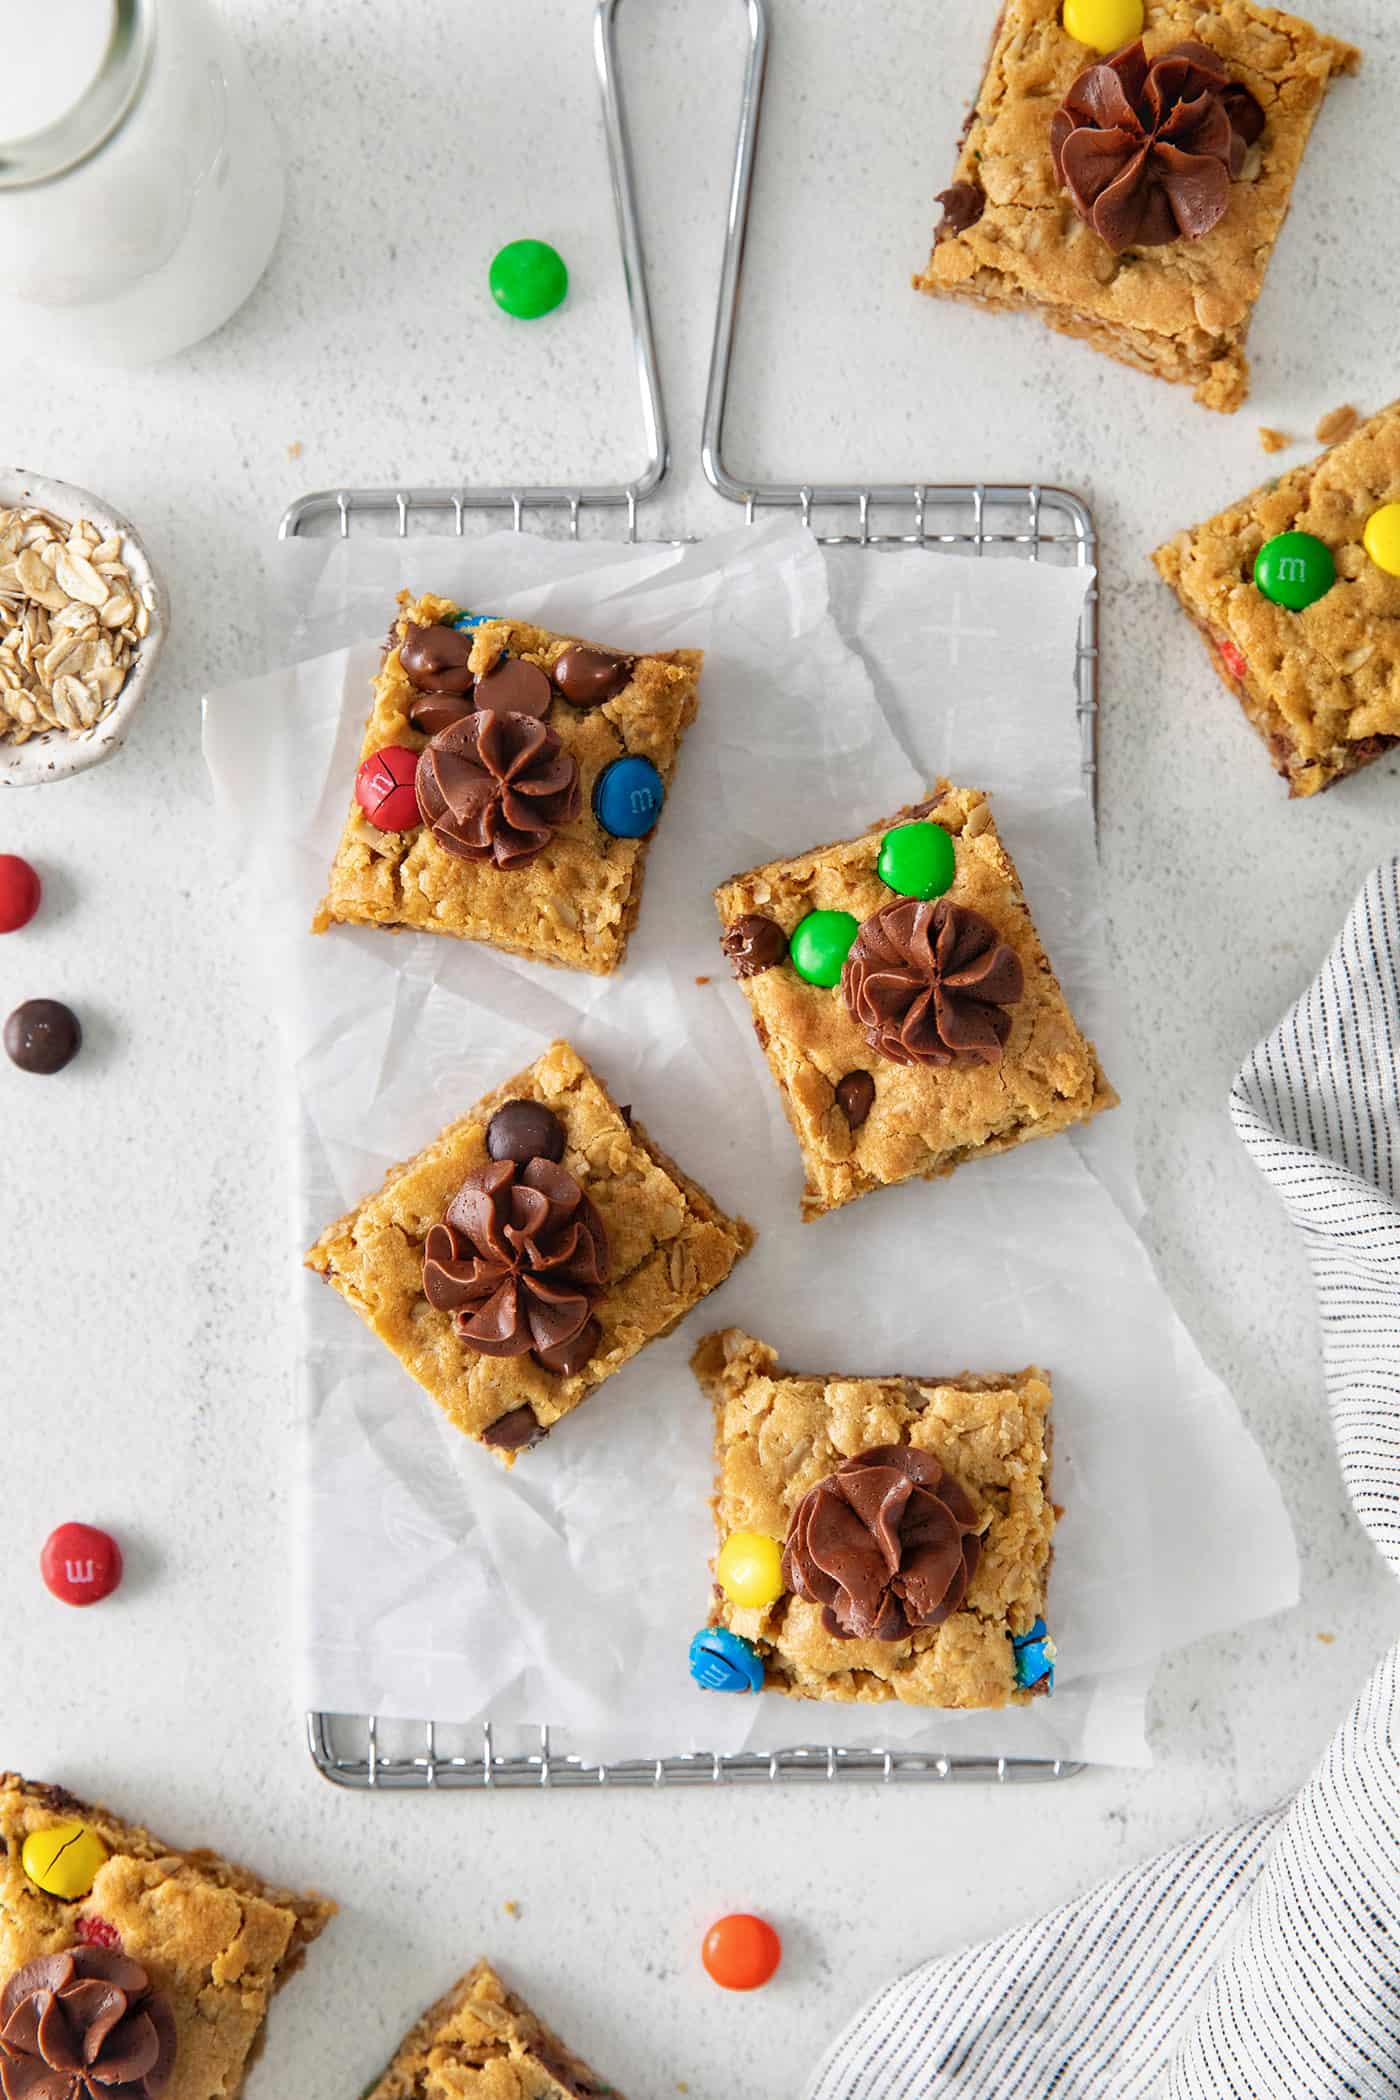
[1260, 1963]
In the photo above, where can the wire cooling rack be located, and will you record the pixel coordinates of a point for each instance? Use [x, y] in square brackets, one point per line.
[1023, 521]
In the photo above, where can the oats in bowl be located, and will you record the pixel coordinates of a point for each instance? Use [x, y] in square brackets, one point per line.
[81, 622]
[72, 623]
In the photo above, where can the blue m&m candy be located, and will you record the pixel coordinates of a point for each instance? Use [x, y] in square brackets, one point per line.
[721, 1661]
[628, 797]
[1035, 1658]
[465, 621]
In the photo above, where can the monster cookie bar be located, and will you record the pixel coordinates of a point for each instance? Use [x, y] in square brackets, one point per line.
[904, 1002]
[1296, 590]
[528, 1252]
[1126, 170]
[509, 783]
[481, 2042]
[150, 1967]
[879, 1538]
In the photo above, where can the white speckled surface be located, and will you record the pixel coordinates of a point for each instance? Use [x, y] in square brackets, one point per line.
[146, 1379]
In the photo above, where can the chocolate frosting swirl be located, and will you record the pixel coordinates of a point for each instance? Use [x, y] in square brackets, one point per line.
[497, 787]
[930, 983]
[520, 1260]
[1147, 148]
[86, 2024]
[885, 1544]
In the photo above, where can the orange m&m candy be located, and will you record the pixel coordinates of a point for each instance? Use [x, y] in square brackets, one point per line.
[741, 1951]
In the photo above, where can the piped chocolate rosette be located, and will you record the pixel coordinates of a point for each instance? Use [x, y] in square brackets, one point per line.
[886, 1545]
[931, 983]
[520, 1258]
[84, 2024]
[497, 787]
[1148, 148]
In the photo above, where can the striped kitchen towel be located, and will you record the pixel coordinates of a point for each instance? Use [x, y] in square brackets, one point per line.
[1261, 1963]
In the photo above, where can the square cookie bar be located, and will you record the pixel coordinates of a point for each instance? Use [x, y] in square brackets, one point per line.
[1064, 201]
[195, 1946]
[481, 2042]
[1296, 590]
[904, 1002]
[530, 834]
[881, 1538]
[528, 1252]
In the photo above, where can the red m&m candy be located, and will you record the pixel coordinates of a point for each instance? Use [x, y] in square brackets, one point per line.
[81, 1564]
[1233, 661]
[384, 788]
[19, 893]
[741, 1951]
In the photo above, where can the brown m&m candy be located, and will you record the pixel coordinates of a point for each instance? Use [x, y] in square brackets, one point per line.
[436, 659]
[433, 712]
[525, 1130]
[514, 687]
[588, 677]
[43, 1036]
[753, 943]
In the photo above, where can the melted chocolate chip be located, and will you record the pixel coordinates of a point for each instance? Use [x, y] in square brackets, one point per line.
[42, 1036]
[513, 687]
[515, 1431]
[753, 943]
[567, 1357]
[56, 1798]
[435, 659]
[433, 712]
[963, 205]
[570, 2077]
[855, 1097]
[525, 1130]
[588, 677]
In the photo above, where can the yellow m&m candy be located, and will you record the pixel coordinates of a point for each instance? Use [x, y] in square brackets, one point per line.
[750, 1569]
[62, 1859]
[1105, 25]
[1381, 538]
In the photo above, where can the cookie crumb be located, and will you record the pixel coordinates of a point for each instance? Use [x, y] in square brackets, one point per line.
[1327, 1639]
[1273, 440]
[702, 980]
[1338, 423]
[294, 449]
[511, 1908]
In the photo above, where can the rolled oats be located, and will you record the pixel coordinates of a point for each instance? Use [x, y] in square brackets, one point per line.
[71, 622]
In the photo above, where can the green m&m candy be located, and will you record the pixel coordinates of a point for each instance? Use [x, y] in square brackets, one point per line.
[1295, 569]
[820, 944]
[917, 860]
[528, 278]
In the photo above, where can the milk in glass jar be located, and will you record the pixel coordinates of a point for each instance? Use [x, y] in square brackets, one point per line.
[140, 184]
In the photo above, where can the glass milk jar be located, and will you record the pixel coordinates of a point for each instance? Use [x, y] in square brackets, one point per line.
[140, 184]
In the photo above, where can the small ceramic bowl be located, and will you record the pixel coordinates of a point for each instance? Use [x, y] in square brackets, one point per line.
[55, 754]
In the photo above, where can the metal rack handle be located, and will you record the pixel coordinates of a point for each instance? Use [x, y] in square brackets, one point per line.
[625, 495]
